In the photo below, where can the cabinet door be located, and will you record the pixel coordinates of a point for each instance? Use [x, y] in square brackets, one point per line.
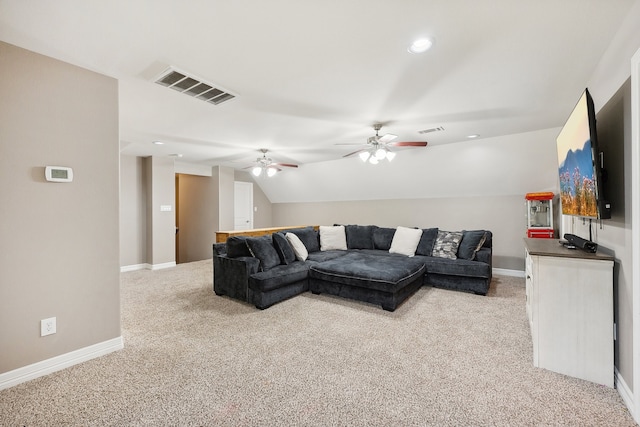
[575, 317]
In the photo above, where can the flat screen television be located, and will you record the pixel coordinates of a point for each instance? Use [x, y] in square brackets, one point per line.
[579, 167]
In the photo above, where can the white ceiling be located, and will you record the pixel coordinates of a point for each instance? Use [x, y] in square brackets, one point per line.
[313, 74]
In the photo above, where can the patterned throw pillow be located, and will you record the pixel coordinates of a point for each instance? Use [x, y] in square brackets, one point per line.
[447, 243]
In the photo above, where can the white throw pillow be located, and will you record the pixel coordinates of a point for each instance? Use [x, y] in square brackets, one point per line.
[298, 247]
[333, 238]
[405, 241]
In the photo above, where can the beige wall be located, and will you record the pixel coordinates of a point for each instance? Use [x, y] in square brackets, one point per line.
[59, 240]
[133, 211]
[161, 225]
[504, 216]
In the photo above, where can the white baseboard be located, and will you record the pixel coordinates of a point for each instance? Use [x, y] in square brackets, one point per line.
[624, 392]
[146, 266]
[505, 272]
[165, 265]
[135, 267]
[46, 367]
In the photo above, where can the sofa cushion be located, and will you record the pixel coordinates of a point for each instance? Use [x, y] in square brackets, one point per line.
[382, 238]
[471, 243]
[283, 248]
[447, 243]
[405, 241]
[262, 248]
[237, 247]
[382, 273]
[322, 256]
[279, 276]
[427, 241]
[360, 236]
[298, 247]
[309, 237]
[333, 238]
[457, 267]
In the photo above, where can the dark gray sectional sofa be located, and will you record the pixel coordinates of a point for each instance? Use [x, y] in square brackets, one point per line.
[264, 270]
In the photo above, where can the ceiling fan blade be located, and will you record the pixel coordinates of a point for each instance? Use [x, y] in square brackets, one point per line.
[355, 152]
[408, 144]
[351, 143]
[289, 165]
[387, 137]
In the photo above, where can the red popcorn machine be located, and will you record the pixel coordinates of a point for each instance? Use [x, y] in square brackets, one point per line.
[540, 215]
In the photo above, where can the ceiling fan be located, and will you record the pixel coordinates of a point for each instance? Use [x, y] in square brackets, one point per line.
[266, 165]
[379, 147]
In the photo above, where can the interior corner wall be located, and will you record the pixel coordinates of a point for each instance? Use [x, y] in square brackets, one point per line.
[161, 223]
[226, 178]
[60, 254]
[133, 211]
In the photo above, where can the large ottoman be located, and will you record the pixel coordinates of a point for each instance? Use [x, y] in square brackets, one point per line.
[385, 280]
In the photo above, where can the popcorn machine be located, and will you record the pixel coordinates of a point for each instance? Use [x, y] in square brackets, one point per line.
[540, 215]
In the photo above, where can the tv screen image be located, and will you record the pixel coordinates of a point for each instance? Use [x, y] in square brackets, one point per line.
[577, 170]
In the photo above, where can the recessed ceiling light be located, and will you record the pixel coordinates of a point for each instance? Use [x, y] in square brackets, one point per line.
[158, 142]
[475, 135]
[421, 45]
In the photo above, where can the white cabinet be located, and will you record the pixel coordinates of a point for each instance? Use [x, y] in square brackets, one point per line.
[570, 310]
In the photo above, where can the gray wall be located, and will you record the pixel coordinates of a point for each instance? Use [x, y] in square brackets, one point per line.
[60, 240]
[503, 215]
[614, 235]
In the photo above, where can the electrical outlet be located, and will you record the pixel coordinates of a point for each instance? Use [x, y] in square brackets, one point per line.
[47, 326]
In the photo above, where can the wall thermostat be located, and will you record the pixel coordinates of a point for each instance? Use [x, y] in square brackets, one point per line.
[58, 174]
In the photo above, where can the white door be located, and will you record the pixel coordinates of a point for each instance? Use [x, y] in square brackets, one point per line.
[243, 205]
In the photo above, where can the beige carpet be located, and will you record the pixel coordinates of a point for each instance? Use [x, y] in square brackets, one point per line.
[193, 358]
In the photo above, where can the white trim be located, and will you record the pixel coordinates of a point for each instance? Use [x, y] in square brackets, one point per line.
[635, 228]
[161, 266]
[46, 367]
[147, 266]
[505, 272]
[135, 267]
[624, 391]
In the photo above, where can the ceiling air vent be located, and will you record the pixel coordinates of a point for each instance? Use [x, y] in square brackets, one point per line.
[439, 128]
[193, 86]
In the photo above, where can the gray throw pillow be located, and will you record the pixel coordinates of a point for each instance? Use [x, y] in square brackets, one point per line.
[262, 248]
[382, 238]
[427, 241]
[283, 248]
[447, 243]
[360, 236]
[471, 243]
[237, 247]
[309, 237]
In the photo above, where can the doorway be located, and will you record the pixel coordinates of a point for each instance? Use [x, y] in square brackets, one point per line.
[242, 205]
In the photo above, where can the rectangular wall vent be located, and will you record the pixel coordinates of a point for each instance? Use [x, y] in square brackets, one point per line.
[439, 128]
[193, 86]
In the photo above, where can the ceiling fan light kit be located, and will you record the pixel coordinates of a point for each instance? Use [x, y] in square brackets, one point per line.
[266, 165]
[378, 147]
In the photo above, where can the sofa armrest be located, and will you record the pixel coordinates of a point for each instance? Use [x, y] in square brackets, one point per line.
[484, 255]
[231, 275]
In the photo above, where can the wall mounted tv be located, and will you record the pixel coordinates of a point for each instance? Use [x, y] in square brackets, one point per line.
[579, 164]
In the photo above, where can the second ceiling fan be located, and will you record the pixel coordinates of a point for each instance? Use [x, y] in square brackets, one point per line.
[379, 147]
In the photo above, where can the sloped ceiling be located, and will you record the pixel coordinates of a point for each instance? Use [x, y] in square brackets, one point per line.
[310, 75]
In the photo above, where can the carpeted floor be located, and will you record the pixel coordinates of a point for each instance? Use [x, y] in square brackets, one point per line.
[193, 358]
